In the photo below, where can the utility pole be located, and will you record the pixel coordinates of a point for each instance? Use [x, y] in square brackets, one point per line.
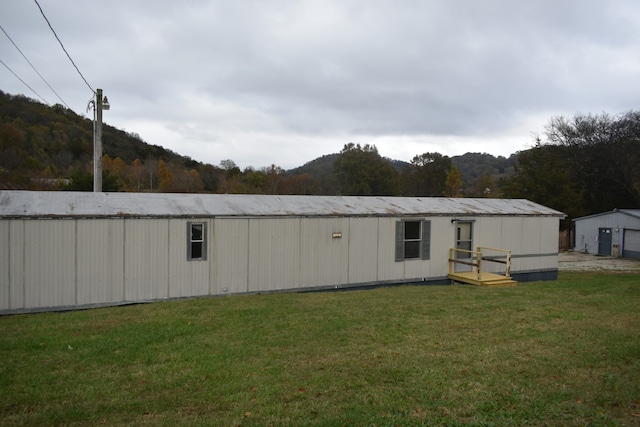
[97, 141]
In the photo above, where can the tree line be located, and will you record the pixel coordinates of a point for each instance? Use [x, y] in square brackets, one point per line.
[51, 148]
[581, 165]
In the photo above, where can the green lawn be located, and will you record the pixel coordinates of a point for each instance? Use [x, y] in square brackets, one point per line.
[541, 354]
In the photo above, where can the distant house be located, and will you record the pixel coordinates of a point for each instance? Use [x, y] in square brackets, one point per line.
[615, 233]
[74, 249]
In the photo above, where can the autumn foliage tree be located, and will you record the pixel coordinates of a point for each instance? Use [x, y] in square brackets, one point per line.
[453, 183]
[165, 176]
[486, 186]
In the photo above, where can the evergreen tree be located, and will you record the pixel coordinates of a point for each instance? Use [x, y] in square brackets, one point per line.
[542, 176]
[426, 175]
[362, 171]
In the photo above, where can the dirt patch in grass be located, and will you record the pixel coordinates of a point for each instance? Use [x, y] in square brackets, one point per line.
[578, 261]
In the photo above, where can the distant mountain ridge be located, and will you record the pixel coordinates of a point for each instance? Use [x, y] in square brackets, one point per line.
[43, 147]
[473, 166]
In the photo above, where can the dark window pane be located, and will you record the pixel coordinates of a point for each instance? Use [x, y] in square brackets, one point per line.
[412, 230]
[464, 245]
[196, 250]
[196, 231]
[412, 249]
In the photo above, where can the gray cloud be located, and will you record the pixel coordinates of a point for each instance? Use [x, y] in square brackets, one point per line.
[282, 82]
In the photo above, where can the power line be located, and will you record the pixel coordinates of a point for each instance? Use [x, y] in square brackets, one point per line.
[34, 68]
[23, 82]
[63, 48]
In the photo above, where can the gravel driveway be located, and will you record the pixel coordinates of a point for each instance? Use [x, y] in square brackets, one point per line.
[577, 261]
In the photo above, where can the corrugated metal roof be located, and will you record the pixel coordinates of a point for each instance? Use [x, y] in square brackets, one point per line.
[84, 204]
[631, 212]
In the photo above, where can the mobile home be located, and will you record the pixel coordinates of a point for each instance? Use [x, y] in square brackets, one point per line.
[63, 250]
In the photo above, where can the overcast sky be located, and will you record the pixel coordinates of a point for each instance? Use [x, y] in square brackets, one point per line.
[285, 81]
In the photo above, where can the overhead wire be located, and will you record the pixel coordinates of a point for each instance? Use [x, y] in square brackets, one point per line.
[23, 82]
[34, 68]
[62, 45]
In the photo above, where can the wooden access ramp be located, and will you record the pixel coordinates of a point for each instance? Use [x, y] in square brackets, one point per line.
[475, 259]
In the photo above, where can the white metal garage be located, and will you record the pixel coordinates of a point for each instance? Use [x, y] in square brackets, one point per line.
[614, 233]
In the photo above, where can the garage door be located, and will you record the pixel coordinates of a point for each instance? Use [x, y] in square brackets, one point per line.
[631, 244]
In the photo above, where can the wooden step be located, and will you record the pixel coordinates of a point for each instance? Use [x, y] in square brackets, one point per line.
[499, 283]
[486, 279]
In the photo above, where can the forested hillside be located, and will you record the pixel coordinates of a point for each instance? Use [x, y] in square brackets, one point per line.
[51, 148]
[582, 165]
[47, 147]
[482, 173]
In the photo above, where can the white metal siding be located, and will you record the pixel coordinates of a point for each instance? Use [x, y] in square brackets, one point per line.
[586, 230]
[363, 250]
[533, 241]
[525, 229]
[16, 264]
[548, 232]
[585, 236]
[324, 259]
[443, 237]
[512, 234]
[274, 254]
[147, 259]
[66, 262]
[50, 263]
[230, 252]
[531, 244]
[387, 268]
[488, 233]
[100, 275]
[187, 278]
[4, 265]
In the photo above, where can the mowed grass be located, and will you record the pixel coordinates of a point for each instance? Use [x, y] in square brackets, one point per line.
[550, 354]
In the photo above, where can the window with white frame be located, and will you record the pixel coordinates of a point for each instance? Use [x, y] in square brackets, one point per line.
[464, 238]
[413, 239]
[196, 241]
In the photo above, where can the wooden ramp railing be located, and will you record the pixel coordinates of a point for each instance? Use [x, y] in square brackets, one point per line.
[475, 259]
